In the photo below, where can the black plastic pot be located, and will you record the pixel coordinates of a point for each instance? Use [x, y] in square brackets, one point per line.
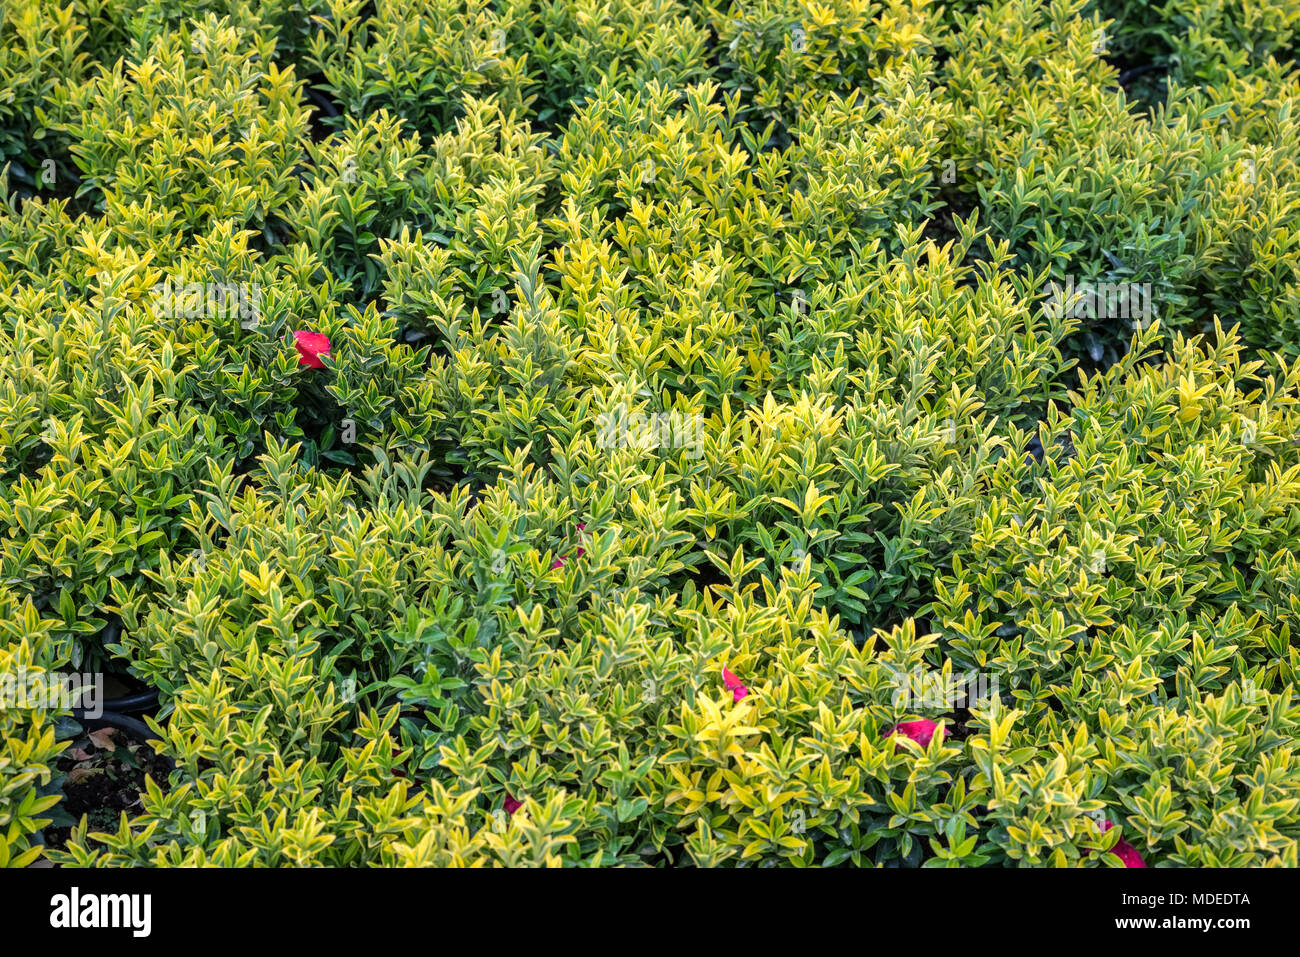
[133, 704]
[1128, 76]
[112, 719]
[324, 102]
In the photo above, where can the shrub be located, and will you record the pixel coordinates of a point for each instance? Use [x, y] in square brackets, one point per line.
[690, 423]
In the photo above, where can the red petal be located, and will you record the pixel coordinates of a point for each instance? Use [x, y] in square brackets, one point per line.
[311, 346]
[511, 805]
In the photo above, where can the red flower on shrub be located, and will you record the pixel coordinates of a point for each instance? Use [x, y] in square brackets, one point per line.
[732, 684]
[559, 562]
[511, 805]
[1125, 851]
[920, 731]
[311, 346]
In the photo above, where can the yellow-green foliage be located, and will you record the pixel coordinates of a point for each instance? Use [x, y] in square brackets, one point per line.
[811, 244]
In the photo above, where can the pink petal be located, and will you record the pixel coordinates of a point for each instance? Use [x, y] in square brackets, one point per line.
[1125, 851]
[511, 805]
[920, 731]
[732, 684]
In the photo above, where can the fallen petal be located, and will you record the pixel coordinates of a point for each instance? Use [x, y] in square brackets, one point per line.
[311, 346]
[733, 684]
[1127, 853]
[920, 731]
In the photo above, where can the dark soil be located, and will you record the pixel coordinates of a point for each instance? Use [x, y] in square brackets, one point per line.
[105, 772]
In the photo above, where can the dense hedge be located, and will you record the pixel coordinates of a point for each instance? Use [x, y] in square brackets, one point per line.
[412, 607]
